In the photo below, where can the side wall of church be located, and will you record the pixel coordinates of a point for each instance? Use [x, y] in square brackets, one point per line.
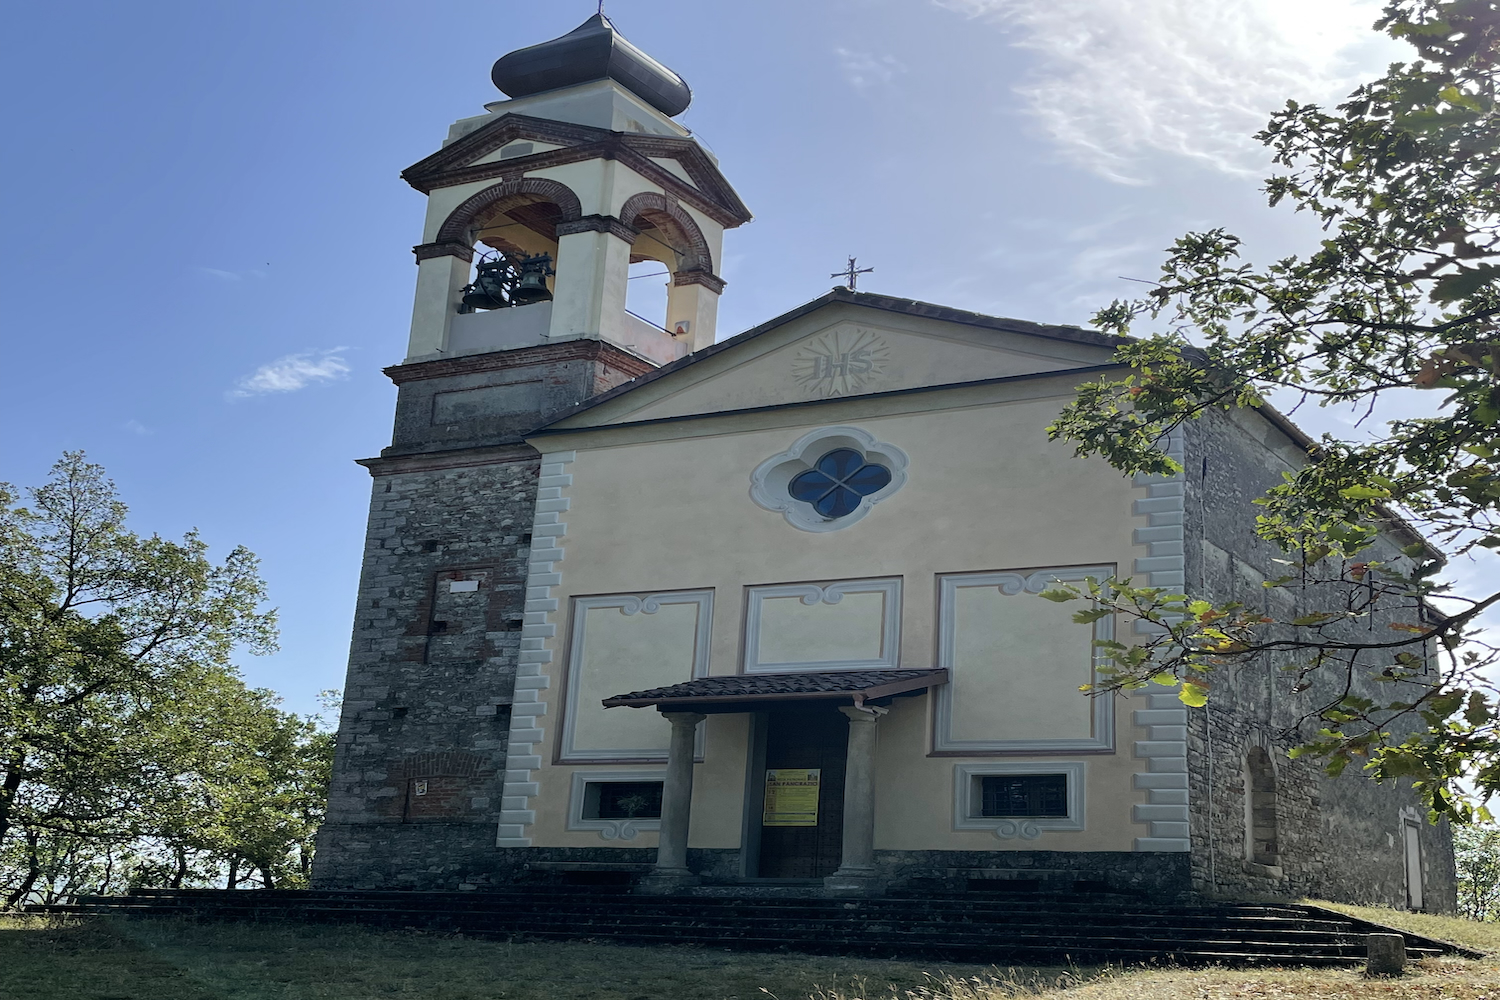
[1334, 838]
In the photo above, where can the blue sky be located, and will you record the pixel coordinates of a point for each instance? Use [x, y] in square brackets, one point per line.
[207, 255]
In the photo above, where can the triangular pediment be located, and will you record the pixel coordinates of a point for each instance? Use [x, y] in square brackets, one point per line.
[846, 345]
[678, 165]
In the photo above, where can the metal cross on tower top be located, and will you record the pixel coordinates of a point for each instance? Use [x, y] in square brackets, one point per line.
[851, 274]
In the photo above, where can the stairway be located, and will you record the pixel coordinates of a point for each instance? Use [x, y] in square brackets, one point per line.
[952, 927]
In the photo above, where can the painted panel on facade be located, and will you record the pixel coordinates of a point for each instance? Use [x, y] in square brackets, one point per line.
[791, 632]
[625, 644]
[1020, 660]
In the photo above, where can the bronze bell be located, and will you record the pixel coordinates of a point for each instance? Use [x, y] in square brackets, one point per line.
[532, 284]
[491, 283]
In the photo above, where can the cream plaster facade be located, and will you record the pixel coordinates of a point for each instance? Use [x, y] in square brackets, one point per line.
[659, 506]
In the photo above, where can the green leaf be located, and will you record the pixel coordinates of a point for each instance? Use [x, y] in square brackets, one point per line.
[1193, 695]
[1060, 596]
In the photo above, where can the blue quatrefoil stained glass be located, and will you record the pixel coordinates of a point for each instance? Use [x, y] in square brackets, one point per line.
[837, 484]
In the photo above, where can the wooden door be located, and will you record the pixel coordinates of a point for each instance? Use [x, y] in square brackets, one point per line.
[813, 737]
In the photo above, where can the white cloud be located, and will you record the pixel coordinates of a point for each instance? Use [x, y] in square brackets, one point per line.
[136, 427]
[222, 275]
[864, 70]
[293, 372]
[1118, 80]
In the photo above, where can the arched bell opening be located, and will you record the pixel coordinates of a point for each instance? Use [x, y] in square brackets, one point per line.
[515, 249]
[668, 251]
[1262, 839]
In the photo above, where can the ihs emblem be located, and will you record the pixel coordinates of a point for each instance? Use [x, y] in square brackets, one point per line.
[840, 363]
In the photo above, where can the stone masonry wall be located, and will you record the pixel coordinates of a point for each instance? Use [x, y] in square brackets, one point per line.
[421, 746]
[1334, 838]
[420, 762]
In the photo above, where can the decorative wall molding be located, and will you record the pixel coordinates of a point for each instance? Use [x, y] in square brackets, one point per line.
[629, 604]
[769, 481]
[609, 829]
[966, 803]
[812, 594]
[523, 757]
[1163, 508]
[1102, 737]
[1165, 778]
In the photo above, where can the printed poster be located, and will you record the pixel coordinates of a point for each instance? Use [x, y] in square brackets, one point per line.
[791, 797]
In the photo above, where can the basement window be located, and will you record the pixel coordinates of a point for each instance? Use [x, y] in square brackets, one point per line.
[618, 805]
[1042, 795]
[1019, 800]
[622, 800]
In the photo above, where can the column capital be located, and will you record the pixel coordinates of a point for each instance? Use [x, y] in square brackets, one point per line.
[689, 719]
[864, 713]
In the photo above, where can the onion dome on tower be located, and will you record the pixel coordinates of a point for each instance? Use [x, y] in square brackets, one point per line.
[592, 51]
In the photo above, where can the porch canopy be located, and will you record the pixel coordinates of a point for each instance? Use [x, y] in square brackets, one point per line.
[855, 693]
[750, 692]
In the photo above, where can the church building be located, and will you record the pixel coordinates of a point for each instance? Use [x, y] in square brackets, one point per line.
[644, 605]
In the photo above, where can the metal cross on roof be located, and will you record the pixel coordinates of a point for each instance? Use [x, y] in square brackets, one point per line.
[851, 274]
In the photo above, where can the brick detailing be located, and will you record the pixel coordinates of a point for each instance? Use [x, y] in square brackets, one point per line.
[1165, 778]
[425, 251]
[528, 708]
[438, 786]
[598, 224]
[666, 215]
[457, 228]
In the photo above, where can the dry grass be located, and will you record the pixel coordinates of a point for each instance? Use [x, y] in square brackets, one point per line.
[1430, 980]
[1470, 933]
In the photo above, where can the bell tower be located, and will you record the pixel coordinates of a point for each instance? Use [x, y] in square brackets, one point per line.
[583, 164]
[536, 210]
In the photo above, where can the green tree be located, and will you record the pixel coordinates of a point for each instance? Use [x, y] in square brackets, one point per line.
[1476, 851]
[1401, 296]
[104, 637]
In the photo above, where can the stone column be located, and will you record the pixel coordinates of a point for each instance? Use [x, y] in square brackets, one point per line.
[857, 875]
[671, 871]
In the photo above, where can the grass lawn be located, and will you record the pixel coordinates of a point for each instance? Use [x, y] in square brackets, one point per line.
[102, 959]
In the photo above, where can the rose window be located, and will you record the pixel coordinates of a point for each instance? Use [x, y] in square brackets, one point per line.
[838, 482]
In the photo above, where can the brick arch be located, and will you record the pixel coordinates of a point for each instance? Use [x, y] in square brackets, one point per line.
[455, 228]
[667, 215]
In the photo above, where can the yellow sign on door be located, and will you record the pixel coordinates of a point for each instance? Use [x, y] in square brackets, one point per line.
[791, 797]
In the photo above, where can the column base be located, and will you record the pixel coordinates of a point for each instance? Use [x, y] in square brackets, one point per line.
[855, 882]
[665, 881]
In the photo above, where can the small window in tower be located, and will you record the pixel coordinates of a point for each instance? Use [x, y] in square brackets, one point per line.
[516, 149]
[622, 800]
[1015, 795]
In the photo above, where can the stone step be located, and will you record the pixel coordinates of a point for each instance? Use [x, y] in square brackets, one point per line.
[954, 928]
